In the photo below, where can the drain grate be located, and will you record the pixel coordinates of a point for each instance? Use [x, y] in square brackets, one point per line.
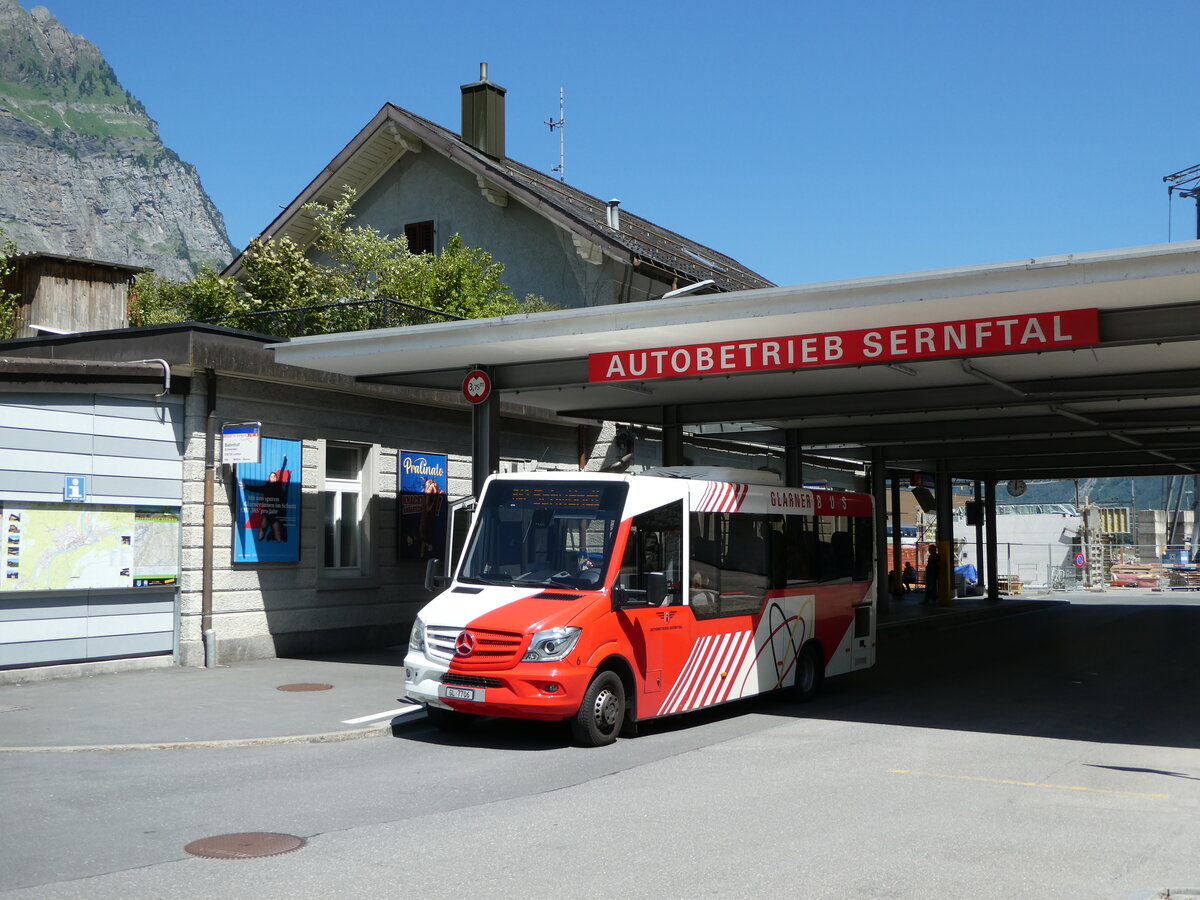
[304, 687]
[245, 845]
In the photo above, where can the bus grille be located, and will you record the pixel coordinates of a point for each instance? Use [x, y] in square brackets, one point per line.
[482, 681]
[492, 648]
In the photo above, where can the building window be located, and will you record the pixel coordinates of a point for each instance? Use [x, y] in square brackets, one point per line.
[420, 237]
[344, 508]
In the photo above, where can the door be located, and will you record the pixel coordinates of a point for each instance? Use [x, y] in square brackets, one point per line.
[658, 630]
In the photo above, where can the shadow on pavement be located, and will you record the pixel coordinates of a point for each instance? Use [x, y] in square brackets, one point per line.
[1115, 673]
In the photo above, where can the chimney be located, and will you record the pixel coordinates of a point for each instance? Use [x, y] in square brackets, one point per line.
[614, 214]
[483, 115]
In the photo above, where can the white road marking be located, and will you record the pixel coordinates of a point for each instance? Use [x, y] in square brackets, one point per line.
[391, 713]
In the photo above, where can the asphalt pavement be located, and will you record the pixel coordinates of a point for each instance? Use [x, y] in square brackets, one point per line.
[273, 701]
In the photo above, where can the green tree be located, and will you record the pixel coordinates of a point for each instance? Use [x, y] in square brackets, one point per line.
[354, 264]
[9, 302]
[155, 300]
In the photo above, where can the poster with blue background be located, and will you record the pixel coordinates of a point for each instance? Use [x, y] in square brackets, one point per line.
[267, 514]
[423, 508]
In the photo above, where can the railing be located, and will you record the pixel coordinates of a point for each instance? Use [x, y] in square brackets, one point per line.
[328, 318]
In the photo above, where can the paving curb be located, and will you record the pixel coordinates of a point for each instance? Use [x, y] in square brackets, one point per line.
[328, 737]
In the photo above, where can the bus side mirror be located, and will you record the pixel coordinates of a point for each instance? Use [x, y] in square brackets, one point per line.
[618, 597]
[434, 581]
[654, 594]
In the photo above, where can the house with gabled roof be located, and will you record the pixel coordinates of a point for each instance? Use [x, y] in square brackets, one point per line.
[129, 424]
[418, 178]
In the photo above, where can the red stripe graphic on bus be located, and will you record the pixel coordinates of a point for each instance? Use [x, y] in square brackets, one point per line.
[707, 650]
[723, 497]
[720, 683]
[685, 675]
[694, 661]
[712, 665]
[711, 669]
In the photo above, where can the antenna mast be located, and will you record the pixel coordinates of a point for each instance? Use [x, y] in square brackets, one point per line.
[1186, 183]
[561, 168]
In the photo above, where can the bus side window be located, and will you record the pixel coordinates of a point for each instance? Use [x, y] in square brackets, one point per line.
[730, 557]
[842, 551]
[778, 553]
[800, 549]
[704, 590]
[744, 565]
[864, 548]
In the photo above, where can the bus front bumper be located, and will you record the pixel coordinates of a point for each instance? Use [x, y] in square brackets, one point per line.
[548, 691]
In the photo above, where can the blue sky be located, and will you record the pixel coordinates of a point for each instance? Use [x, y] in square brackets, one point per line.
[811, 141]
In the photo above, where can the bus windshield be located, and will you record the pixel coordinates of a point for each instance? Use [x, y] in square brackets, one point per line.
[544, 533]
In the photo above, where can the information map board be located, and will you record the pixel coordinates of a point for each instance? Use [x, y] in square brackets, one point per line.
[80, 546]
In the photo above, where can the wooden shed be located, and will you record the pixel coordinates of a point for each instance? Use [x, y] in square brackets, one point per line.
[61, 294]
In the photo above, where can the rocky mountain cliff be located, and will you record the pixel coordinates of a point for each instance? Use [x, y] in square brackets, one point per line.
[82, 169]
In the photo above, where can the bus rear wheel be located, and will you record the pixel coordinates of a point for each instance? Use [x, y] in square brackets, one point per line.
[810, 673]
[602, 712]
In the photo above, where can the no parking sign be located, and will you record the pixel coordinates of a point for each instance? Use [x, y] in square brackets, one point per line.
[1080, 560]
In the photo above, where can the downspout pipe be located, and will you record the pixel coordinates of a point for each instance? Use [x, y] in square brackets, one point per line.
[210, 479]
[166, 374]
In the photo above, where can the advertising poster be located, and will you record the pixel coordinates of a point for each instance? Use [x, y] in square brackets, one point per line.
[267, 513]
[75, 546]
[423, 507]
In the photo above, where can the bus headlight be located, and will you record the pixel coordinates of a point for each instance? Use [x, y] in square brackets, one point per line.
[552, 644]
[416, 640]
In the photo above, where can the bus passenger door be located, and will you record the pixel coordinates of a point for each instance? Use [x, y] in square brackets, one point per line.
[657, 627]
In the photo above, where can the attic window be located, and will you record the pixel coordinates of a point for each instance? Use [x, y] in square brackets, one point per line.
[419, 236]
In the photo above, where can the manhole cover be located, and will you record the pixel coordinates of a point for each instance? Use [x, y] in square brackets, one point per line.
[304, 687]
[246, 845]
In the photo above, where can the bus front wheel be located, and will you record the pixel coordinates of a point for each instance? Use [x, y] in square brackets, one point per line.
[602, 712]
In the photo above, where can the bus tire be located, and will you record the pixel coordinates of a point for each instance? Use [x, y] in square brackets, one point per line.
[810, 673]
[602, 713]
[448, 719]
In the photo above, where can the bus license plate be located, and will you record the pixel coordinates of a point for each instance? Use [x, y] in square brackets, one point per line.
[461, 693]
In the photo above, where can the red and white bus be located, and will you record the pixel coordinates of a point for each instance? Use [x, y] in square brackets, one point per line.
[608, 600]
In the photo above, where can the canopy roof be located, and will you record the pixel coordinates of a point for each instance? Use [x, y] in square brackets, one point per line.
[1124, 404]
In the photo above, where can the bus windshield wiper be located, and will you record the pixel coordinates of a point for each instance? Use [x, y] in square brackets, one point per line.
[548, 581]
[483, 579]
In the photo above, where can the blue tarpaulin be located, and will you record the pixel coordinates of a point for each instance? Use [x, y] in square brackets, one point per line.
[968, 571]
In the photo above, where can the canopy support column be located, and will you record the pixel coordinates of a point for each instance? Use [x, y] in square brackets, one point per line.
[793, 458]
[989, 521]
[883, 587]
[672, 437]
[897, 544]
[485, 436]
[945, 533]
[980, 560]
